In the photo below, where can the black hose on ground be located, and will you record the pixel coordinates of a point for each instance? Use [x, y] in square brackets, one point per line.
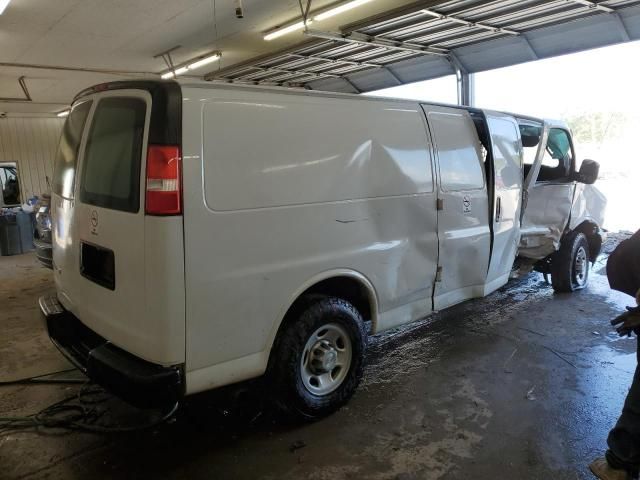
[43, 379]
[78, 412]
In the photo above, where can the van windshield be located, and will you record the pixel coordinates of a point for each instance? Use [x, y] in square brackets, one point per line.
[67, 156]
[111, 169]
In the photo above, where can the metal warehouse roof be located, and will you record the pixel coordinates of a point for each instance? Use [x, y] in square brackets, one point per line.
[430, 39]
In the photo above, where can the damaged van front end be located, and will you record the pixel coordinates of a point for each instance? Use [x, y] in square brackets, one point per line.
[546, 220]
[562, 207]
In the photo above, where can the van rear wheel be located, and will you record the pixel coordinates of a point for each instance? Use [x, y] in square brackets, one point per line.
[570, 265]
[318, 359]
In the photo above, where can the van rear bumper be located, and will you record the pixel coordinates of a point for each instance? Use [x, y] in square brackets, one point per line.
[136, 381]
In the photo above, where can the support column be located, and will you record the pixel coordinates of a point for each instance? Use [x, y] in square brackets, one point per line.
[467, 89]
[465, 82]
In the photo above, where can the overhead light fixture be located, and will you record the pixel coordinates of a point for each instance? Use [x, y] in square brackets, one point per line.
[174, 73]
[3, 5]
[203, 61]
[64, 113]
[316, 18]
[193, 65]
[284, 30]
[340, 9]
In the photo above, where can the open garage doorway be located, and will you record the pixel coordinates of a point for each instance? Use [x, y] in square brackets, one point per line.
[594, 91]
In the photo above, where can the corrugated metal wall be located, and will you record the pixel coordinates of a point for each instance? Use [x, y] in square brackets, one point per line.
[32, 144]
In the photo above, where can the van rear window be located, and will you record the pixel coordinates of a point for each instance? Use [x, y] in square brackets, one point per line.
[67, 156]
[111, 170]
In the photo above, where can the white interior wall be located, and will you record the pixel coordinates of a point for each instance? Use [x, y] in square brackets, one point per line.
[32, 144]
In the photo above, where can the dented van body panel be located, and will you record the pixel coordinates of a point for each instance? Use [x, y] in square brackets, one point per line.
[589, 205]
[544, 222]
[555, 207]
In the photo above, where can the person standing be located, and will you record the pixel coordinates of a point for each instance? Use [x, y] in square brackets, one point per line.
[622, 460]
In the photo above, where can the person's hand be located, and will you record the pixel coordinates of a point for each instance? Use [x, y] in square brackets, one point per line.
[628, 322]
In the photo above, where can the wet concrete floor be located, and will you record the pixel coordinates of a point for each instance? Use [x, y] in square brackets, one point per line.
[522, 384]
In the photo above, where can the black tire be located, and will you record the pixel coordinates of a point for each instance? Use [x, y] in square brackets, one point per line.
[291, 395]
[571, 264]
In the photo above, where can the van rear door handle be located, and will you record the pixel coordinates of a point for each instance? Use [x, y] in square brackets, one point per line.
[498, 209]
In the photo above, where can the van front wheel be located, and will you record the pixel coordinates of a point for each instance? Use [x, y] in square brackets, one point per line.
[319, 358]
[570, 265]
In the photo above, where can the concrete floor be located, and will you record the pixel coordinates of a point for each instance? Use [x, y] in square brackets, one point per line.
[522, 384]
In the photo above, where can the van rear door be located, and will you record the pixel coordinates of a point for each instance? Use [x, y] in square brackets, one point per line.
[117, 269]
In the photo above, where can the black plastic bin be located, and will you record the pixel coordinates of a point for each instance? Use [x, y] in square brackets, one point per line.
[16, 233]
[26, 222]
[9, 235]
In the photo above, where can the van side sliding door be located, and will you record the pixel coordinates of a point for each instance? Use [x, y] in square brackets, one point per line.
[464, 237]
[507, 156]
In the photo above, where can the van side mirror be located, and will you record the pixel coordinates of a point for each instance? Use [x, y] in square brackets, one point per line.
[589, 171]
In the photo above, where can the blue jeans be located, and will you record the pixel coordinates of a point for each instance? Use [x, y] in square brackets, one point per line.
[624, 439]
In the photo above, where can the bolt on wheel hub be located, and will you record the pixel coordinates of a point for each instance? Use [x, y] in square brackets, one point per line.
[324, 357]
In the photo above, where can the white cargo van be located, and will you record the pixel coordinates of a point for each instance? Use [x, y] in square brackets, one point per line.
[207, 234]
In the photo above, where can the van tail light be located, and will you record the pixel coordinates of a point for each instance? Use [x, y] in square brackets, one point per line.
[164, 180]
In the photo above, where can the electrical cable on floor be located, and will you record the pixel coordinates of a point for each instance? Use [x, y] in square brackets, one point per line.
[82, 415]
[42, 379]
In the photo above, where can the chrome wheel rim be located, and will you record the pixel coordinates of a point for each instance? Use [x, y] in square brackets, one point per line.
[326, 359]
[581, 267]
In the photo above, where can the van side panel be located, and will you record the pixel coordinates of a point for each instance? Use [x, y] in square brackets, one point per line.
[280, 188]
[285, 148]
[463, 223]
[164, 286]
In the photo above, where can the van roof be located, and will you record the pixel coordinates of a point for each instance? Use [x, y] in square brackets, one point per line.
[316, 93]
[192, 83]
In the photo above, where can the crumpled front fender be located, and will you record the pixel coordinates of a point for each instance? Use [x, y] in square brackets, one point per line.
[589, 204]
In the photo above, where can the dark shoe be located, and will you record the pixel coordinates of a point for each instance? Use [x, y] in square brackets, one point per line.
[601, 469]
